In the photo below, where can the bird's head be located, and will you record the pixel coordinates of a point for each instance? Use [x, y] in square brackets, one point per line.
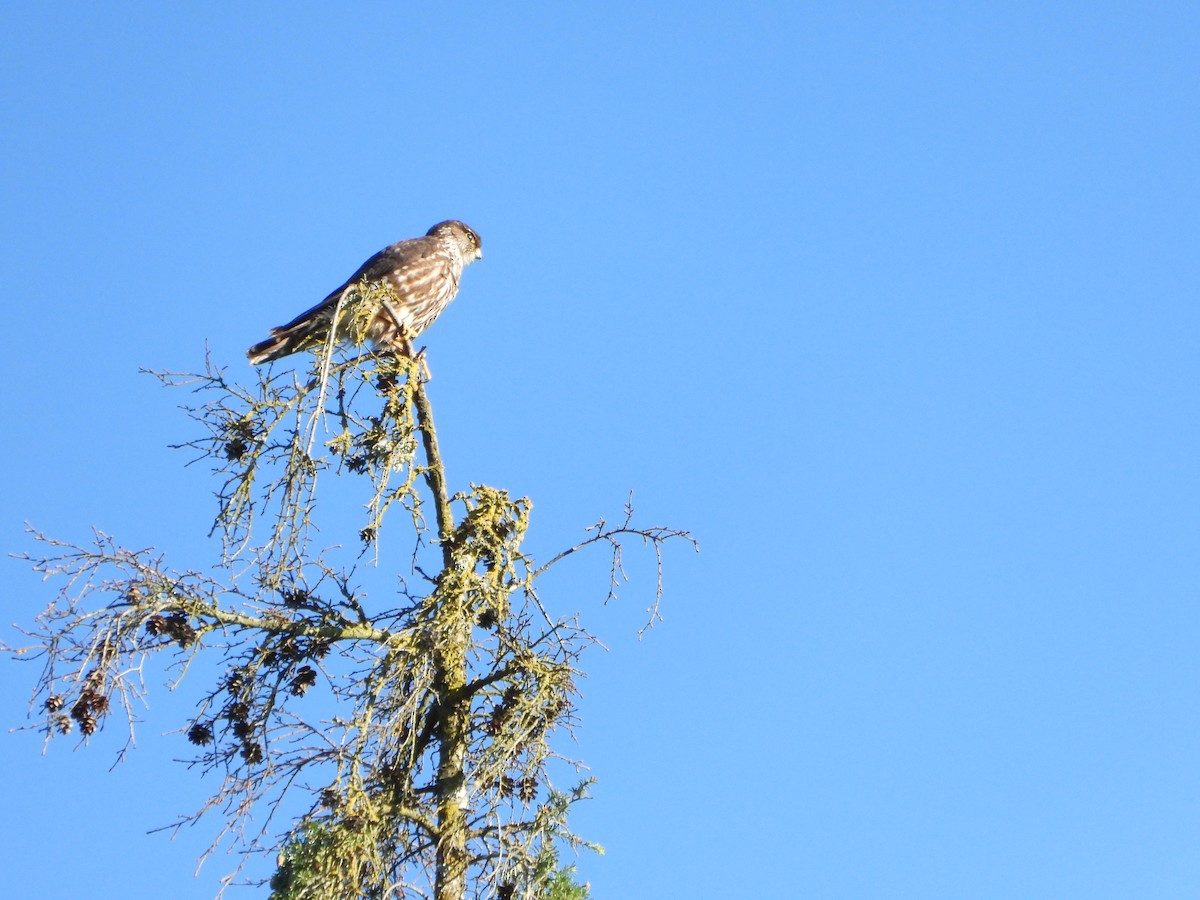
[462, 235]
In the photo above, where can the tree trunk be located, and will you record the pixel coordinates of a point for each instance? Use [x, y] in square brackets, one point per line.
[452, 624]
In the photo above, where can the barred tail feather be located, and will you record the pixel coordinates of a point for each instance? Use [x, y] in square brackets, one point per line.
[284, 341]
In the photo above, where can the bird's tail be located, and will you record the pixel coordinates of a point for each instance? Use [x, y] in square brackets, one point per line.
[285, 340]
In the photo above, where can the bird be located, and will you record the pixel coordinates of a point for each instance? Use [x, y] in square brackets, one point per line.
[422, 274]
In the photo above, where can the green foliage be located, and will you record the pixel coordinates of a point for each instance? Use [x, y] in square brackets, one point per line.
[562, 886]
[302, 862]
[555, 882]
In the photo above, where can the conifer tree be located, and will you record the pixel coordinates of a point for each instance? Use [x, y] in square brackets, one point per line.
[392, 746]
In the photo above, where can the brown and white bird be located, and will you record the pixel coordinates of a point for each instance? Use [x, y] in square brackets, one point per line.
[423, 274]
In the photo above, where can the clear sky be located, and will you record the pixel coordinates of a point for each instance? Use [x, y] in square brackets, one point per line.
[893, 305]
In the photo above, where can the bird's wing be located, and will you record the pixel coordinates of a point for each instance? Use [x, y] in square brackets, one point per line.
[408, 267]
[387, 261]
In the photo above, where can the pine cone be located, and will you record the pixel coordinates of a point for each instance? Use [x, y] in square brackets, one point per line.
[239, 712]
[180, 630]
[306, 677]
[80, 710]
[200, 734]
[289, 649]
[330, 798]
[294, 599]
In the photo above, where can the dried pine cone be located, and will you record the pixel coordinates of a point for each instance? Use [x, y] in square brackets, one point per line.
[80, 710]
[180, 630]
[87, 724]
[238, 712]
[386, 382]
[528, 790]
[494, 723]
[296, 598]
[200, 734]
[54, 703]
[306, 677]
[330, 798]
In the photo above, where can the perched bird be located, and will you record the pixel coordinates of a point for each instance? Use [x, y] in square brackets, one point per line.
[423, 275]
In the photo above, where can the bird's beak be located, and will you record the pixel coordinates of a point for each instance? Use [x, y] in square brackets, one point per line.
[479, 253]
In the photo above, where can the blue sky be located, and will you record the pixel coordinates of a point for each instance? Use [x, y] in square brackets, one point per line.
[892, 305]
